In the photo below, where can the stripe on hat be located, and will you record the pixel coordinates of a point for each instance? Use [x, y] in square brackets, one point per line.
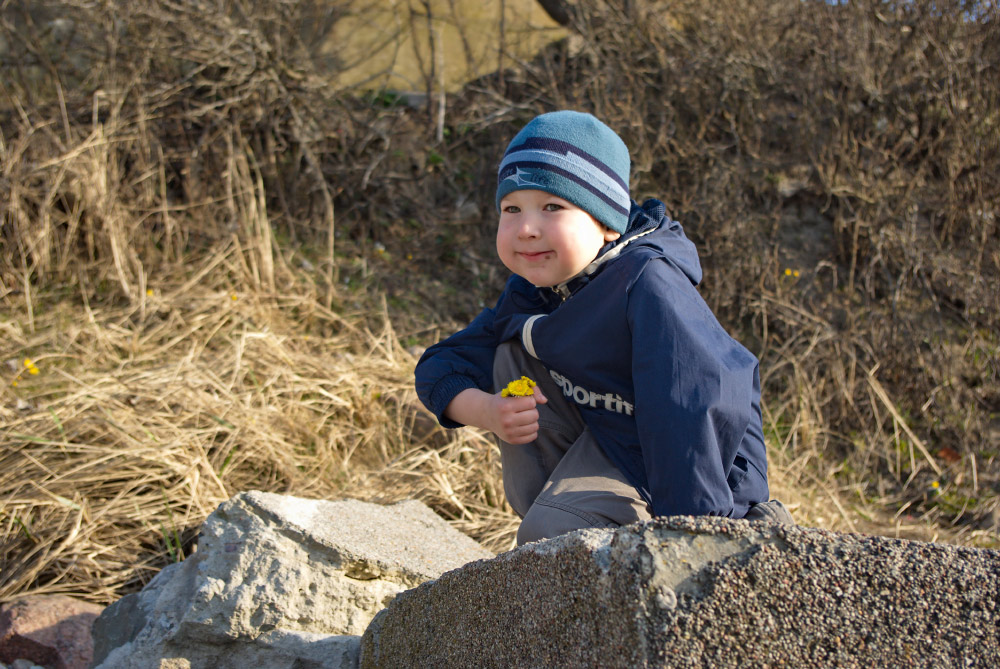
[561, 147]
[573, 164]
[514, 168]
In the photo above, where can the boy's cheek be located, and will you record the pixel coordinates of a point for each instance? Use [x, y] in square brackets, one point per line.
[504, 249]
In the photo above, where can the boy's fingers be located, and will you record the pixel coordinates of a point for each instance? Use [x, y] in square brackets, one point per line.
[539, 396]
[524, 418]
[523, 435]
[519, 418]
[519, 411]
[519, 404]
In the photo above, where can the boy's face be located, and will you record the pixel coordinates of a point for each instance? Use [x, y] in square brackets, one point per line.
[546, 239]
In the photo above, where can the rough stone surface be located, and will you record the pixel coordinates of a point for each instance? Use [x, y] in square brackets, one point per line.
[702, 592]
[53, 630]
[279, 582]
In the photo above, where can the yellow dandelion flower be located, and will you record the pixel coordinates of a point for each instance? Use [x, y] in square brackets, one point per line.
[521, 387]
[149, 292]
[33, 370]
[28, 363]
[788, 271]
[795, 274]
[234, 297]
[935, 484]
[14, 383]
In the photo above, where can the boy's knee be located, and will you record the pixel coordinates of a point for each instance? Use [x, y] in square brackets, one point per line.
[544, 522]
[534, 527]
[528, 532]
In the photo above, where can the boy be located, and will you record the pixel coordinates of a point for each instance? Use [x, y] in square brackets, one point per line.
[644, 405]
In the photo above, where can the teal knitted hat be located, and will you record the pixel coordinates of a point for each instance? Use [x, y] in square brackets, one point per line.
[573, 156]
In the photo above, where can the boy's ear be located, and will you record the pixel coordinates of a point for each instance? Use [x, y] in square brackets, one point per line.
[609, 234]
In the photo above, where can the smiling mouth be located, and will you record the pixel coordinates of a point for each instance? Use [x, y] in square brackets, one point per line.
[538, 255]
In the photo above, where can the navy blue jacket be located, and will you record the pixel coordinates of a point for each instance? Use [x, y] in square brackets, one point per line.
[672, 399]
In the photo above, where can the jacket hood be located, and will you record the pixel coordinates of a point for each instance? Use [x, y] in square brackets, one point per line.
[648, 227]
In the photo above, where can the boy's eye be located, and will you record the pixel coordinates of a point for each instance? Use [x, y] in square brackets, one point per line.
[553, 206]
[511, 209]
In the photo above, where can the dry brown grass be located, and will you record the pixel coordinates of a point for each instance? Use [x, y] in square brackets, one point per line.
[143, 418]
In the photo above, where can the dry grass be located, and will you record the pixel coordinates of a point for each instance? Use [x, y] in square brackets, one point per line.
[143, 418]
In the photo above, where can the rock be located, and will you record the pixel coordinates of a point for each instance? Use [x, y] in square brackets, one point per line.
[278, 582]
[694, 592]
[47, 629]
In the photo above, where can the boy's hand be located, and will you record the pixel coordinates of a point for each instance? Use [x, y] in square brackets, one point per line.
[513, 419]
[516, 418]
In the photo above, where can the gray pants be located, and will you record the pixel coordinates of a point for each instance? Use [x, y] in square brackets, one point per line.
[563, 481]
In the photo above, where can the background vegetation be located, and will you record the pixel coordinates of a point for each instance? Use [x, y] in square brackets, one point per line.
[219, 254]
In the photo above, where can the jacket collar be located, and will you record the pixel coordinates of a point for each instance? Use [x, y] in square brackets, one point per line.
[582, 278]
[642, 220]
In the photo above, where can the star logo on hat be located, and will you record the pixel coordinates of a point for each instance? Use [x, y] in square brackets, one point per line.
[519, 180]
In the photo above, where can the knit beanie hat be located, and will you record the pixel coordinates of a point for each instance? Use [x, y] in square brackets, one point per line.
[574, 156]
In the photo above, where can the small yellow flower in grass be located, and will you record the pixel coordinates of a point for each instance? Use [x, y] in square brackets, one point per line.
[521, 387]
[29, 367]
[149, 292]
[234, 297]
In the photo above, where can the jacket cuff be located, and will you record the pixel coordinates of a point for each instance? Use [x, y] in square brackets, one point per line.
[444, 392]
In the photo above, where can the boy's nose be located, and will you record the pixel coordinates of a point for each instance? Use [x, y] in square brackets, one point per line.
[528, 227]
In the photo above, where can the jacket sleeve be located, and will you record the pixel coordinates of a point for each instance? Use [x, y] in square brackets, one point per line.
[463, 360]
[693, 385]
